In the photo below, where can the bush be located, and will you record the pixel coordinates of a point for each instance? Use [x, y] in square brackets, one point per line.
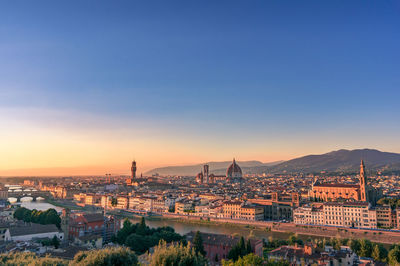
[175, 254]
[106, 257]
[29, 258]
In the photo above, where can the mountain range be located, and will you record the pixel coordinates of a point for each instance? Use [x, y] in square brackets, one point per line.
[335, 161]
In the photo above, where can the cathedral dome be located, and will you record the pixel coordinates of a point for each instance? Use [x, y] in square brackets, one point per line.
[234, 170]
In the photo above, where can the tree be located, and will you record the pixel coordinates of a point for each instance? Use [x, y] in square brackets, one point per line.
[292, 239]
[198, 244]
[248, 247]
[42, 217]
[394, 256]
[355, 245]
[55, 242]
[248, 260]
[106, 257]
[365, 248]
[175, 255]
[127, 229]
[216, 259]
[242, 245]
[238, 250]
[114, 202]
[379, 252]
[141, 228]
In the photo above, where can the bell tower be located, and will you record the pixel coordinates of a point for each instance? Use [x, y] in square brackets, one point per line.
[132, 178]
[363, 183]
[65, 224]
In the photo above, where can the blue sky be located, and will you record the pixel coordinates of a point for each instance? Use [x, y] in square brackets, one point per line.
[282, 78]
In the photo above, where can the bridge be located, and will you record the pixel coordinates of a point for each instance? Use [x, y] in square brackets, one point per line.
[34, 194]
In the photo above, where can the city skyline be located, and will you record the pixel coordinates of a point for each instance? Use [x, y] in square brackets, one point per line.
[179, 83]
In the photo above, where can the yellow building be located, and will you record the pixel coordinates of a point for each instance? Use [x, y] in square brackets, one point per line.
[239, 210]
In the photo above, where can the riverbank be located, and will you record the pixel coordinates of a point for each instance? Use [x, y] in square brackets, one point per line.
[304, 231]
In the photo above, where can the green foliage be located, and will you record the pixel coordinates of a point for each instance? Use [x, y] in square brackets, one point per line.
[106, 257]
[238, 250]
[248, 260]
[365, 248]
[29, 259]
[355, 245]
[141, 228]
[379, 253]
[198, 244]
[55, 242]
[394, 256]
[174, 255]
[294, 240]
[41, 217]
[394, 203]
[114, 202]
[139, 237]
[248, 247]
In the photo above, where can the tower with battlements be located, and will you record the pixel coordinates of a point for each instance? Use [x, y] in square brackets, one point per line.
[132, 178]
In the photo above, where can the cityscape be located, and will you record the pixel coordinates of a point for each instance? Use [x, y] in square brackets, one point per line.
[221, 133]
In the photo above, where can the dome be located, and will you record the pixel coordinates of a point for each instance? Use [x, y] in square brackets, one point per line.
[234, 171]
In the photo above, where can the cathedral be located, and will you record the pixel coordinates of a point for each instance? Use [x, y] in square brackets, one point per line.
[234, 173]
[355, 192]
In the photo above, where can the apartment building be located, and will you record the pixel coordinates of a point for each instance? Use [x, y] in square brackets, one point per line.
[346, 214]
[122, 202]
[184, 207]
[239, 210]
[141, 203]
[309, 215]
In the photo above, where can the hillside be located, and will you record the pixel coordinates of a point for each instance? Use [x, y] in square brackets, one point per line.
[335, 161]
[340, 161]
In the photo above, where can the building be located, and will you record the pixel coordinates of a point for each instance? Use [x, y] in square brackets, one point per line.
[308, 255]
[235, 209]
[159, 205]
[218, 246]
[85, 223]
[344, 214]
[278, 207]
[206, 173]
[309, 215]
[184, 207]
[334, 192]
[234, 173]
[93, 224]
[384, 216]
[130, 181]
[200, 178]
[141, 203]
[30, 231]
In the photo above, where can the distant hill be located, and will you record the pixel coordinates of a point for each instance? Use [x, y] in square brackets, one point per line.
[217, 168]
[340, 161]
[335, 161]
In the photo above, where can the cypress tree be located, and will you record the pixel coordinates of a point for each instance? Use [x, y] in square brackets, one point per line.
[198, 243]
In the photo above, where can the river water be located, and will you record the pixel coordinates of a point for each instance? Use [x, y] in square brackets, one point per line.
[40, 206]
[184, 227]
[226, 229]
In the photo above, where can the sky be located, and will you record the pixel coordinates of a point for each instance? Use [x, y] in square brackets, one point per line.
[88, 86]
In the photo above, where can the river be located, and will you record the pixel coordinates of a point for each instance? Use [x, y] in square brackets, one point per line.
[226, 229]
[40, 206]
[184, 227]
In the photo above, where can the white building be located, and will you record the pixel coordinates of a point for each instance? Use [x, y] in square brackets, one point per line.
[346, 214]
[29, 231]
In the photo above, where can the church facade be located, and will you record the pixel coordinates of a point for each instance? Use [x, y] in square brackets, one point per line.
[355, 192]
